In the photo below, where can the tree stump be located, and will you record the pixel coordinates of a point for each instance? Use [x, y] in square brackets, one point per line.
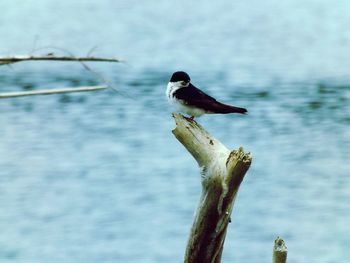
[222, 172]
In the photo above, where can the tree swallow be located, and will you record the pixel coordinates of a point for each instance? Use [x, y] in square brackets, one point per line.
[192, 101]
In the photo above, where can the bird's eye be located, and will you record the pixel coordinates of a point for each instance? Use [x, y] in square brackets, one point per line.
[184, 82]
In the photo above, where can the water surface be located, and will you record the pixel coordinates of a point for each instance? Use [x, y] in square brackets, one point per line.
[99, 177]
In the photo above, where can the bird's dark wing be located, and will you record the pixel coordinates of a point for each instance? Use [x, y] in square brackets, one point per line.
[193, 96]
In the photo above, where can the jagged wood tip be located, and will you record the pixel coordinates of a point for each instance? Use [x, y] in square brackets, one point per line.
[279, 251]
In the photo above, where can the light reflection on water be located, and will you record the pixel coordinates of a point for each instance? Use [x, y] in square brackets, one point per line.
[99, 177]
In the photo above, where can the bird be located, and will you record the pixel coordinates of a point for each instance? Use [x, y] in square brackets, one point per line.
[190, 100]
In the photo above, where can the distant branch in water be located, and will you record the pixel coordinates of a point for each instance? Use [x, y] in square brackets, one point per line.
[68, 57]
[6, 95]
[52, 57]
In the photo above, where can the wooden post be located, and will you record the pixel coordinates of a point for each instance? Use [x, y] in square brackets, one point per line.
[279, 251]
[222, 172]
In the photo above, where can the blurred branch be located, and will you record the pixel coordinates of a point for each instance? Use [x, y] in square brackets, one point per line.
[6, 95]
[51, 57]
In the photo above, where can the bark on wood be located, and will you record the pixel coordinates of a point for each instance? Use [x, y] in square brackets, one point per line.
[222, 172]
[279, 251]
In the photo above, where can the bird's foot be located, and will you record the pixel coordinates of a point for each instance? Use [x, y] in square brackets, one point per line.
[191, 119]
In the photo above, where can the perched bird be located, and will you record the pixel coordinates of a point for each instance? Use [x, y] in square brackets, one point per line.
[192, 101]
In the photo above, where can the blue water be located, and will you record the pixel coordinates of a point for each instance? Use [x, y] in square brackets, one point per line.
[99, 177]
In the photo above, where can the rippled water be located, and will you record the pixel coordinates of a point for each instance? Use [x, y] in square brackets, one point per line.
[99, 177]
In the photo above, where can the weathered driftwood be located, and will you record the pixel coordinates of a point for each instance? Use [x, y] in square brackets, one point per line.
[222, 172]
[279, 251]
[6, 95]
[51, 57]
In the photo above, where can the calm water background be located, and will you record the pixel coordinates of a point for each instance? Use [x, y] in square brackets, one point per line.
[99, 177]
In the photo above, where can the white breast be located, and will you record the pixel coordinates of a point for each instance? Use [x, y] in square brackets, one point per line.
[179, 104]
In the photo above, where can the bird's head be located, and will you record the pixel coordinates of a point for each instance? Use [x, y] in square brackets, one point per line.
[180, 79]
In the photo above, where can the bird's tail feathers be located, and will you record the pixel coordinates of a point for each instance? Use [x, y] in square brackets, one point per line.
[239, 110]
[224, 109]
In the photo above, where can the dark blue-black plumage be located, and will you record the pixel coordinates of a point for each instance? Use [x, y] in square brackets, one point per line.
[194, 97]
[180, 76]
